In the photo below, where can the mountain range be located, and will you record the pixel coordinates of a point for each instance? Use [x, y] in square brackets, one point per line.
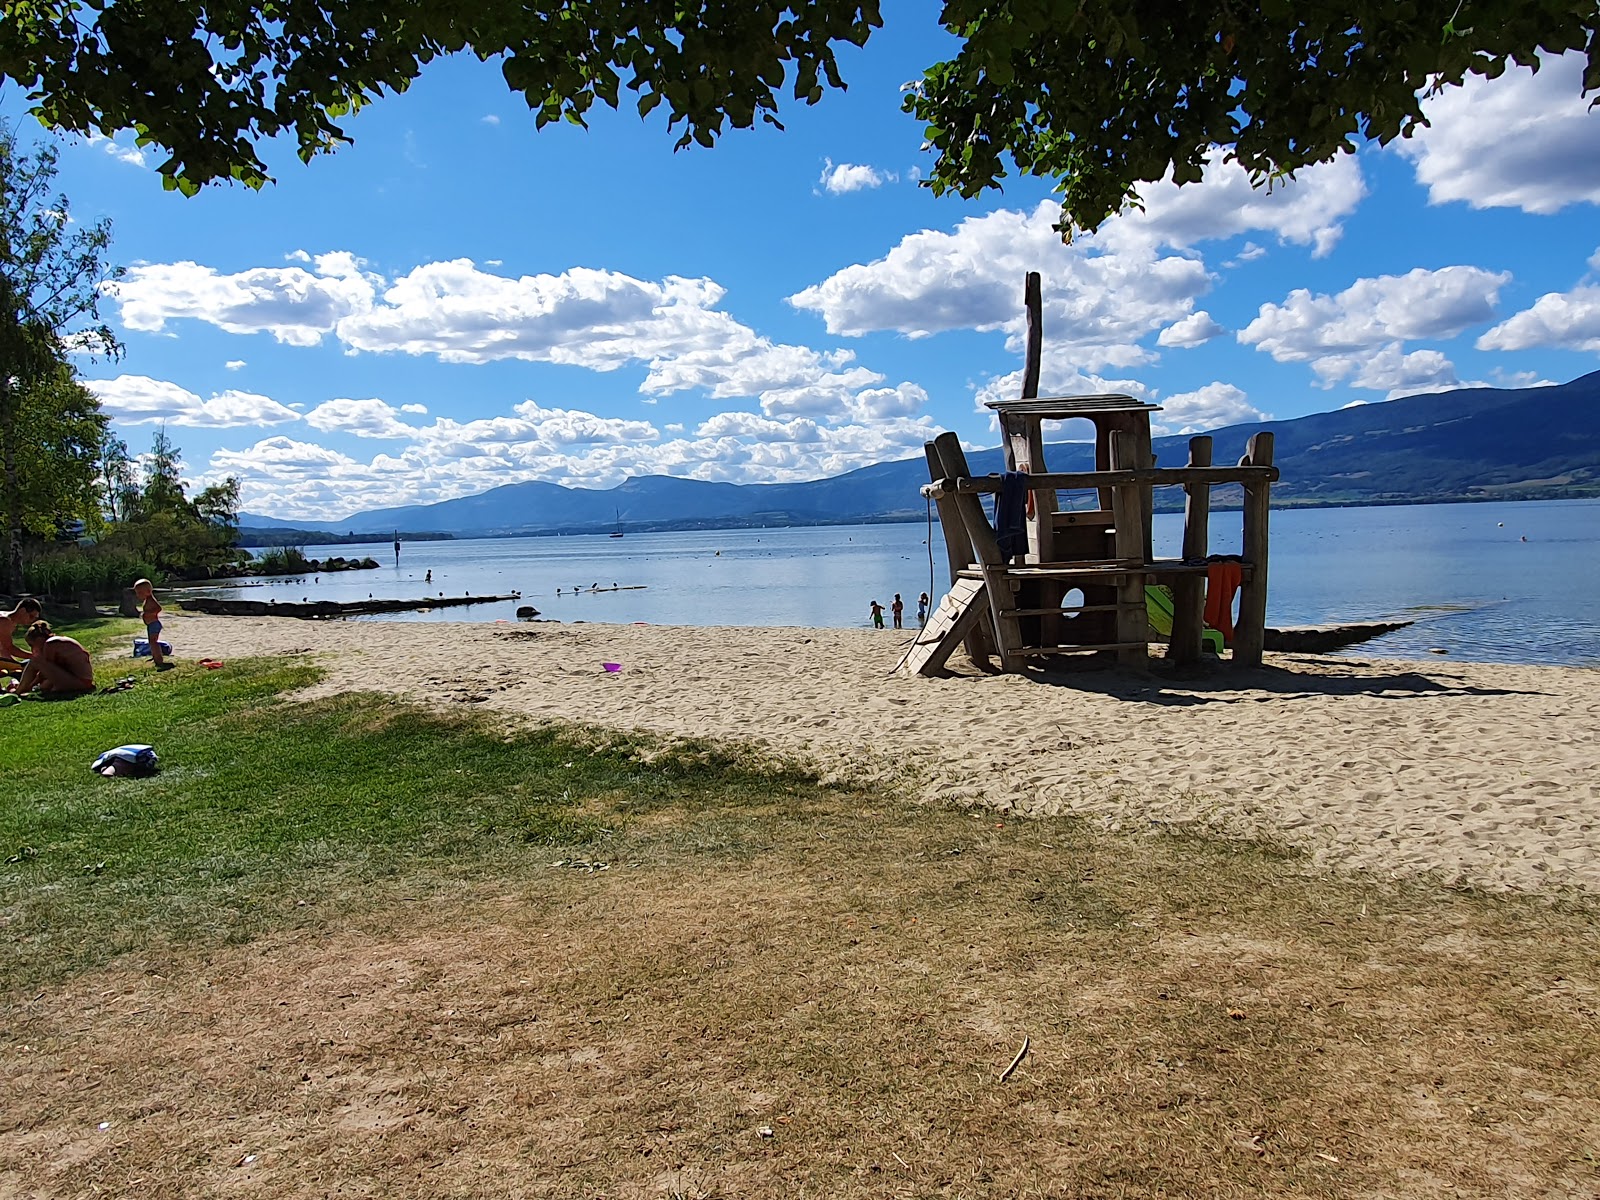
[1470, 444]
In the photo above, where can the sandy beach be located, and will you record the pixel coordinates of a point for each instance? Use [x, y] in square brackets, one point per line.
[1483, 774]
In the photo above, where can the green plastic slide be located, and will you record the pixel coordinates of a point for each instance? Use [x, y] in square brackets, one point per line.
[1158, 605]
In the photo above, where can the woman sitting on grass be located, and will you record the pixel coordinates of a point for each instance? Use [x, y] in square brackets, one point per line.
[24, 614]
[60, 666]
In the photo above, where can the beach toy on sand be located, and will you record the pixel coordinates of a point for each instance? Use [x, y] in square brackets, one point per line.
[211, 664]
[612, 668]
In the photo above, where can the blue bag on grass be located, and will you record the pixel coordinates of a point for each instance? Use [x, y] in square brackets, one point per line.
[141, 647]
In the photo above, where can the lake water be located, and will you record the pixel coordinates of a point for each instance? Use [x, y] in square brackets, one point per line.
[1464, 571]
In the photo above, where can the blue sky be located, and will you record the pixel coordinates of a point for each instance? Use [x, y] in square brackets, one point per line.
[457, 301]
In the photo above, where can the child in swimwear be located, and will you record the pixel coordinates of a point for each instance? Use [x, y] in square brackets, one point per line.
[150, 612]
[877, 615]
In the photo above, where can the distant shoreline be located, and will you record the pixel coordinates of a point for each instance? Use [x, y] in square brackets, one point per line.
[313, 538]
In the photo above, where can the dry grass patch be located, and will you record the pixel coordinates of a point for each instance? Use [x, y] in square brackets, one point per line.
[818, 998]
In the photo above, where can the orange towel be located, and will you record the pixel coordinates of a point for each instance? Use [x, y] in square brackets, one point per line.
[1222, 583]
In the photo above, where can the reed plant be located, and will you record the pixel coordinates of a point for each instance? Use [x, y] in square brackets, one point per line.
[281, 560]
[64, 574]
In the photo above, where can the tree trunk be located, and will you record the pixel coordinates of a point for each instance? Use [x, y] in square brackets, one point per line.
[11, 484]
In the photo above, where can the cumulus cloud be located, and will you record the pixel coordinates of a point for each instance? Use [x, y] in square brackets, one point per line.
[1102, 294]
[371, 418]
[838, 178]
[1194, 330]
[295, 306]
[1389, 369]
[140, 400]
[1558, 320]
[1307, 210]
[1525, 140]
[459, 313]
[1374, 312]
[1210, 407]
[418, 409]
[235, 364]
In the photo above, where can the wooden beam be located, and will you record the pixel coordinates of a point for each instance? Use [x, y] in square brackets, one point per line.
[958, 552]
[986, 551]
[1250, 632]
[1189, 592]
[1032, 303]
[1079, 480]
[1132, 623]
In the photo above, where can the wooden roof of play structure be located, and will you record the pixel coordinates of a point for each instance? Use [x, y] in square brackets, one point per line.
[1039, 582]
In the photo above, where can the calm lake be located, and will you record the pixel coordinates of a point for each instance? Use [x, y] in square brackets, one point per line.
[1485, 582]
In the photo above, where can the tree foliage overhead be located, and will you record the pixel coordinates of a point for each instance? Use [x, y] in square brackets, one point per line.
[1098, 95]
[208, 80]
[1103, 94]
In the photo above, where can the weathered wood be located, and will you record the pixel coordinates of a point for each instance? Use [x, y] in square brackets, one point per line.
[1106, 570]
[315, 609]
[1033, 305]
[1081, 480]
[1188, 591]
[1249, 632]
[986, 551]
[1122, 648]
[1132, 623]
[960, 609]
[956, 548]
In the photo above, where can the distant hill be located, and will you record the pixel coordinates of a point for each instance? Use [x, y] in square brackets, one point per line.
[1476, 443]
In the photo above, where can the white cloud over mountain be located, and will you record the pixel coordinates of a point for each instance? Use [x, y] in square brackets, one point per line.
[1567, 320]
[1525, 140]
[1196, 329]
[1356, 336]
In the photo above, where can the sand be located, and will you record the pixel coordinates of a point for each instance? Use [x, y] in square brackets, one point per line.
[1481, 774]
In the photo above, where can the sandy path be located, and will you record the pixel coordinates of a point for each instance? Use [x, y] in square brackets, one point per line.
[1485, 773]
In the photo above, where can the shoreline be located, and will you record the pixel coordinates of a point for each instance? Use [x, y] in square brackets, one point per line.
[1482, 774]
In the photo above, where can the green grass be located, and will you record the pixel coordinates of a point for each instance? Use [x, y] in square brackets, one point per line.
[267, 804]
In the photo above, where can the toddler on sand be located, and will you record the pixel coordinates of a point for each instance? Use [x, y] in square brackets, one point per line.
[150, 612]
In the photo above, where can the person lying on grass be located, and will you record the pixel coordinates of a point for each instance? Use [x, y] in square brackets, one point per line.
[59, 667]
[20, 617]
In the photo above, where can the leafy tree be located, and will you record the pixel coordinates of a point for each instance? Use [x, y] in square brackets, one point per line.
[1101, 94]
[59, 430]
[207, 81]
[1096, 94]
[51, 273]
[161, 525]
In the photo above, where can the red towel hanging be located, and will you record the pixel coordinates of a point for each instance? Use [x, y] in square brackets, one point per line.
[1222, 584]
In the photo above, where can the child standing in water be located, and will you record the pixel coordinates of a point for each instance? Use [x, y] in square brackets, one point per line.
[150, 613]
[877, 615]
[898, 608]
[922, 609]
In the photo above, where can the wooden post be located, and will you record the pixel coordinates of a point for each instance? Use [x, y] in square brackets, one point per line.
[1002, 605]
[1033, 305]
[958, 551]
[86, 604]
[1189, 591]
[1133, 623]
[1250, 631]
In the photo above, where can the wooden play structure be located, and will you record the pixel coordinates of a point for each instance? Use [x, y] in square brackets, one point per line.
[1039, 582]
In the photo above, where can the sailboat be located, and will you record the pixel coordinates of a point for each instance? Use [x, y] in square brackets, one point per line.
[616, 533]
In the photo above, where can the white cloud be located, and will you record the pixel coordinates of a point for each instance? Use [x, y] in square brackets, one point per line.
[364, 418]
[1559, 320]
[1210, 407]
[235, 364]
[294, 305]
[140, 400]
[1374, 312]
[418, 409]
[1388, 369]
[132, 155]
[1098, 303]
[1307, 210]
[1196, 329]
[1525, 140]
[490, 119]
[850, 177]
[1249, 252]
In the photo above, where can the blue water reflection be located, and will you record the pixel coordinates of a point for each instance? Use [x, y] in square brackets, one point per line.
[1464, 571]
